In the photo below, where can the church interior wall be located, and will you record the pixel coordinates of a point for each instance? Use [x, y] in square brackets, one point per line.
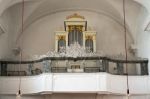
[38, 38]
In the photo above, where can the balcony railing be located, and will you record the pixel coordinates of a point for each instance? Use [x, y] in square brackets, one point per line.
[74, 65]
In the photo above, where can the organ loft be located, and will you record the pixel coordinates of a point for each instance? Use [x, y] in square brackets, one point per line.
[75, 32]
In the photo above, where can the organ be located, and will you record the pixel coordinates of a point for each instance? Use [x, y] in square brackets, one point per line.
[75, 32]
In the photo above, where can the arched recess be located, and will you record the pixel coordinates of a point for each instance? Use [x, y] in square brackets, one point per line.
[40, 34]
[117, 20]
[36, 15]
[95, 6]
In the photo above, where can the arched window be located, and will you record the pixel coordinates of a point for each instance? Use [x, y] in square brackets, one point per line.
[75, 35]
[89, 45]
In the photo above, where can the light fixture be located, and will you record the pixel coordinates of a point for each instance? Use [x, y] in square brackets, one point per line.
[19, 93]
[128, 94]
[126, 53]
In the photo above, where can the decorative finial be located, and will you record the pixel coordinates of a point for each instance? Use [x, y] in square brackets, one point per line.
[75, 15]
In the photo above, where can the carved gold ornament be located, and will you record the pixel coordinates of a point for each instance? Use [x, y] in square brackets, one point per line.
[89, 37]
[75, 27]
[61, 37]
[75, 15]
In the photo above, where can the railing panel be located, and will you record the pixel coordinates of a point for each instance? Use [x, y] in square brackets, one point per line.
[75, 65]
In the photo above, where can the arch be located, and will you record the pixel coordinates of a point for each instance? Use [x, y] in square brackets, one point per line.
[28, 23]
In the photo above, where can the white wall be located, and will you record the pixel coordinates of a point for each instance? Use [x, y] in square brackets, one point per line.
[10, 19]
[5, 40]
[143, 37]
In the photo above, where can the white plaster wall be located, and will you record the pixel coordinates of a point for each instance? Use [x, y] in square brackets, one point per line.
[144, 46]
[16, 15]
[132, 13]
[143, 37]
[5, 45]
[10, 19]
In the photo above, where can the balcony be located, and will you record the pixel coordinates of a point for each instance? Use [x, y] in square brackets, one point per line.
[101, 83]
[100, 75]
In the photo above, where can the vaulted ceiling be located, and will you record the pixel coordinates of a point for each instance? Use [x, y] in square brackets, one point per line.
[35, 9]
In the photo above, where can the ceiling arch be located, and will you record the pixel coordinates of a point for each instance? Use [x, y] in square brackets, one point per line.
[46, 7]
[6, 4]
[65, 10]
[53, 6]
[146, 5]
